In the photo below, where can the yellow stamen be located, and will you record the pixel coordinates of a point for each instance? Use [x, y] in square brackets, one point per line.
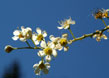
[48, 51]
[40, 37]
[21, 36]
[63, 42]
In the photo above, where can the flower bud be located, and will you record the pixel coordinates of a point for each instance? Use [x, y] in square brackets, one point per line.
[8, 48]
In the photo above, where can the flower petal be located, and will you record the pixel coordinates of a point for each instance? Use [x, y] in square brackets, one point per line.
[47, 65]
[44, 33]
[37, 42]
[29, 29]
[64, 35]
[48, 58]
[54, 53]
[59, 47]
[43, 44]
[34, 36]
[66, 48]
[60, 27]
[23, 39]
[22, 27]
[51, 37]
[38, 30]
[35, 65]
[67, 26]
[51, 45]
[104, 36]
[40, 62]
[95, 35]
[15, 38]
[16, 32]
[70, 42]
[41, 54]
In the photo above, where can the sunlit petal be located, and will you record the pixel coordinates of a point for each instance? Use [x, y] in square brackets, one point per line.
[47, 65]
[54, 53]
[23, 39]
[37, 42]
[16, 32]
[43, 44]
[15, 38]
[44, 33]
[35, 65]
[66, 48]
[60, 27]
[48, 58]
[41, 54]
[51, 37]
[38, 30]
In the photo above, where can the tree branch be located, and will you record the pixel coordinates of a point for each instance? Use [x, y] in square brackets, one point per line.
[89, 35]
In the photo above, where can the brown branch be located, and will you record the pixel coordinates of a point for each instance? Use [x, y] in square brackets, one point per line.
[89, 35]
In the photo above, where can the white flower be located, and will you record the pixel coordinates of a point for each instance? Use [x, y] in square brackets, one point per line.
[48, 51]
[60, 43]
[55, 41]
[63, 42]
[39, 36]
[23, 34]
[66, 24]
[99, 36]
[41, 67]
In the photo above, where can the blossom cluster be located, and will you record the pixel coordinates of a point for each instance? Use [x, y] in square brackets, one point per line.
[48, 49]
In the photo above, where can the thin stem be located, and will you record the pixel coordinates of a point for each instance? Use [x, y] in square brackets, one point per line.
[33, 42]
[27, 48]
[71, 33]
[104, 22]
[28, 43]
[24, 48]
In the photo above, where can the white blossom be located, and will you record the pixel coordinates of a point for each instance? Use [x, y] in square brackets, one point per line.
[60, 42]
[66, 24]
[41, 66]
[23, 34]
[39, 36]
[48, 51]
[63, 42]
[99, 36]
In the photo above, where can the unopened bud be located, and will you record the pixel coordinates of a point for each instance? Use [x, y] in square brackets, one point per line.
[8, 48]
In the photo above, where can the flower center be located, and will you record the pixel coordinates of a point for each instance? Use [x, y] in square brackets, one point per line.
[63, 42]
[20, 35]
[40, 37]
[41, 66]
[48, 51]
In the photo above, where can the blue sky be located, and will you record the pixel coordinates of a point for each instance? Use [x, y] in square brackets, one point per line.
[85, 59]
